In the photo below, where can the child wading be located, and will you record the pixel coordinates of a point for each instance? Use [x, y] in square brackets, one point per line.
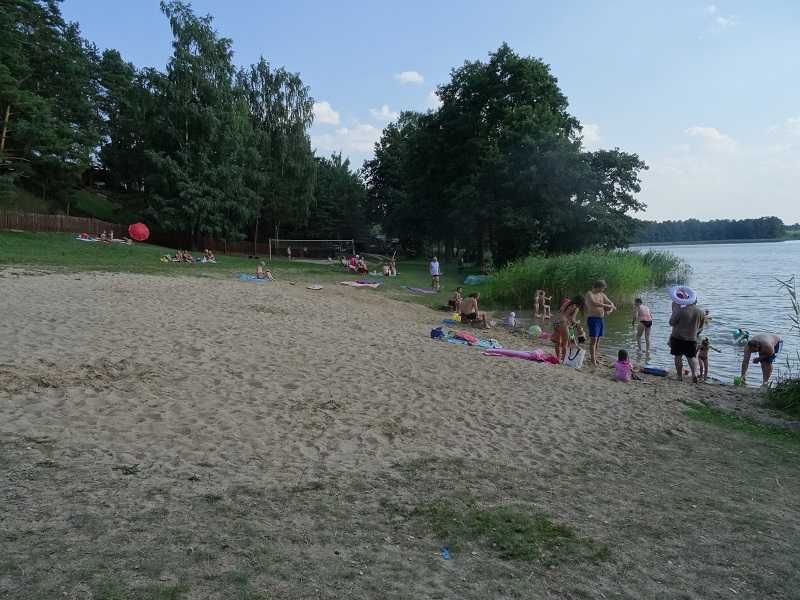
[643, 320]
[702, 357]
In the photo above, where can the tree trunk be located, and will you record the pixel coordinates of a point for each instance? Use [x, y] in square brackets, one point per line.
[255, 238]
[5, 129]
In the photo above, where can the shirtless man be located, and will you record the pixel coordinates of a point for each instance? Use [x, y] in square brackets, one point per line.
[686, 321]
[597, 307]
[469, 310]
[767, 346]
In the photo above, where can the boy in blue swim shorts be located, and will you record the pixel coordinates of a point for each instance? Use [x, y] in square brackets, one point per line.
[597, 307]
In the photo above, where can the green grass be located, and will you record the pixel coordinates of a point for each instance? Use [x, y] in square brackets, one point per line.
[785, 397]
[94, 205]
[625, 271]
[62, 252]
[513, 533]
[718, 418]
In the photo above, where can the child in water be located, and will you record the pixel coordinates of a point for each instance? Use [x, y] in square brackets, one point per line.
[623, 369]
[702, 357]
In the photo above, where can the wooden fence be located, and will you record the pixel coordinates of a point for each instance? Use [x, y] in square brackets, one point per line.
[58, 223]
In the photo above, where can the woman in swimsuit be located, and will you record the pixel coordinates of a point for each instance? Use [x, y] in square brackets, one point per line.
[563, 323]
[643, 320]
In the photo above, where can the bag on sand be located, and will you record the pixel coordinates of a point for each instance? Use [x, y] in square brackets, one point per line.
[575, 356]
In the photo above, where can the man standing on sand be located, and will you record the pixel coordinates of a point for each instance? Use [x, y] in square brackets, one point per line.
[686, 321]
[767, 346]
[435, 273]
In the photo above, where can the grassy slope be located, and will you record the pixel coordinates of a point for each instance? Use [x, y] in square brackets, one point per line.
[61, 251]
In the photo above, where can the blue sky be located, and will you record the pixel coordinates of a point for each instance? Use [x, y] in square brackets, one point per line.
[707, 93]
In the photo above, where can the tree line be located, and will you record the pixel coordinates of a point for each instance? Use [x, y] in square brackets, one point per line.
[500, 169]
[201, 148]
[693, 230]
[208, 149]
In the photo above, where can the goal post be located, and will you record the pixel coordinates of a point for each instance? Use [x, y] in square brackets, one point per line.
[311, 249]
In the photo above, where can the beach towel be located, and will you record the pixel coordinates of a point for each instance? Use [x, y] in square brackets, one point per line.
[475, 279]
[467, 337]
[248, 277]
[315, 287]
[490, 344]
[360, 284]
[86, 239]
[416, 290]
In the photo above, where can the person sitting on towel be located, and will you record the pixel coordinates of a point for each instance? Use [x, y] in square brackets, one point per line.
[469, 310]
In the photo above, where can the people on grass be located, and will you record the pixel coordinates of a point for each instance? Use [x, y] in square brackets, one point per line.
[564, 324]
[643, 320]
[435, 273]
[767, 346]
[470, 313]
[686, 321]
[597, 307]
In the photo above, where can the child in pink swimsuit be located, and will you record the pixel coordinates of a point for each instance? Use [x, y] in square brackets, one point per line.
[623, 369]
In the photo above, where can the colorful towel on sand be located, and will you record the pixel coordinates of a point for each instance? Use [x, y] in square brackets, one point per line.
[362, 283]
[464, 338]
[537, 355]
[416, 290]
[248, 277]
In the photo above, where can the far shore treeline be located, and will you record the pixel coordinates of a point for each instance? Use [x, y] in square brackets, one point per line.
[208, 149]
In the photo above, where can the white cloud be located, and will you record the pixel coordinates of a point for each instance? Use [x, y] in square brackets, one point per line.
[356, 141]
[410, 77]
[713, 138]
[724, 178]
[324, 114]
[384, 113]
[718, 20]
[433, 100]
[591, 135]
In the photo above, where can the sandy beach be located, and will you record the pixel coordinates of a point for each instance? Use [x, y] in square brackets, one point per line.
[146, 421]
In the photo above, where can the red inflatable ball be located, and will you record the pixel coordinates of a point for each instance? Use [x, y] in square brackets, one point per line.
[138, 232]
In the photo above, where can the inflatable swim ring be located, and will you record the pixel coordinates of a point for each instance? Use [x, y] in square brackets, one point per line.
[741, 336]
[534, 331]
[683, 295]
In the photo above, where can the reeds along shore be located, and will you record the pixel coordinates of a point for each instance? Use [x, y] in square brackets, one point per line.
[625, 271]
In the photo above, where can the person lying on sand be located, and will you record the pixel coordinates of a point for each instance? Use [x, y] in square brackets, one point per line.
[768, 346]
[469, 311]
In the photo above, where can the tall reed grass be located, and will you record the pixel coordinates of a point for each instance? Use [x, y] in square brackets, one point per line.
[625, 271]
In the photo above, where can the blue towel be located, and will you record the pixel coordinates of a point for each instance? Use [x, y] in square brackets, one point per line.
[247, 277]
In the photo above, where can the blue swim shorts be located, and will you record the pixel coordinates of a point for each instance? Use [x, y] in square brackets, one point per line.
[771, 359]
[595, 326]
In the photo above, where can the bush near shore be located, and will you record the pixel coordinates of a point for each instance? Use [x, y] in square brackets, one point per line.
[625, 271]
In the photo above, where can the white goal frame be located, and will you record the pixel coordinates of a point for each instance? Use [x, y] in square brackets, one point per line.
[278, 243]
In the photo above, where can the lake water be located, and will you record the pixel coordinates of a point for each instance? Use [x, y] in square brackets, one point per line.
[736, 283]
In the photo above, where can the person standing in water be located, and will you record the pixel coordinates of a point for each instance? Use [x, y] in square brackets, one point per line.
[643, 320]
[597, 307]
[686, 321]
[767, 346]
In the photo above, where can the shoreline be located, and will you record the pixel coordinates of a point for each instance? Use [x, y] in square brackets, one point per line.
[712, 242]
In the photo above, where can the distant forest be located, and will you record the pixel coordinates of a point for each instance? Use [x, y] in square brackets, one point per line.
[693, 230]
